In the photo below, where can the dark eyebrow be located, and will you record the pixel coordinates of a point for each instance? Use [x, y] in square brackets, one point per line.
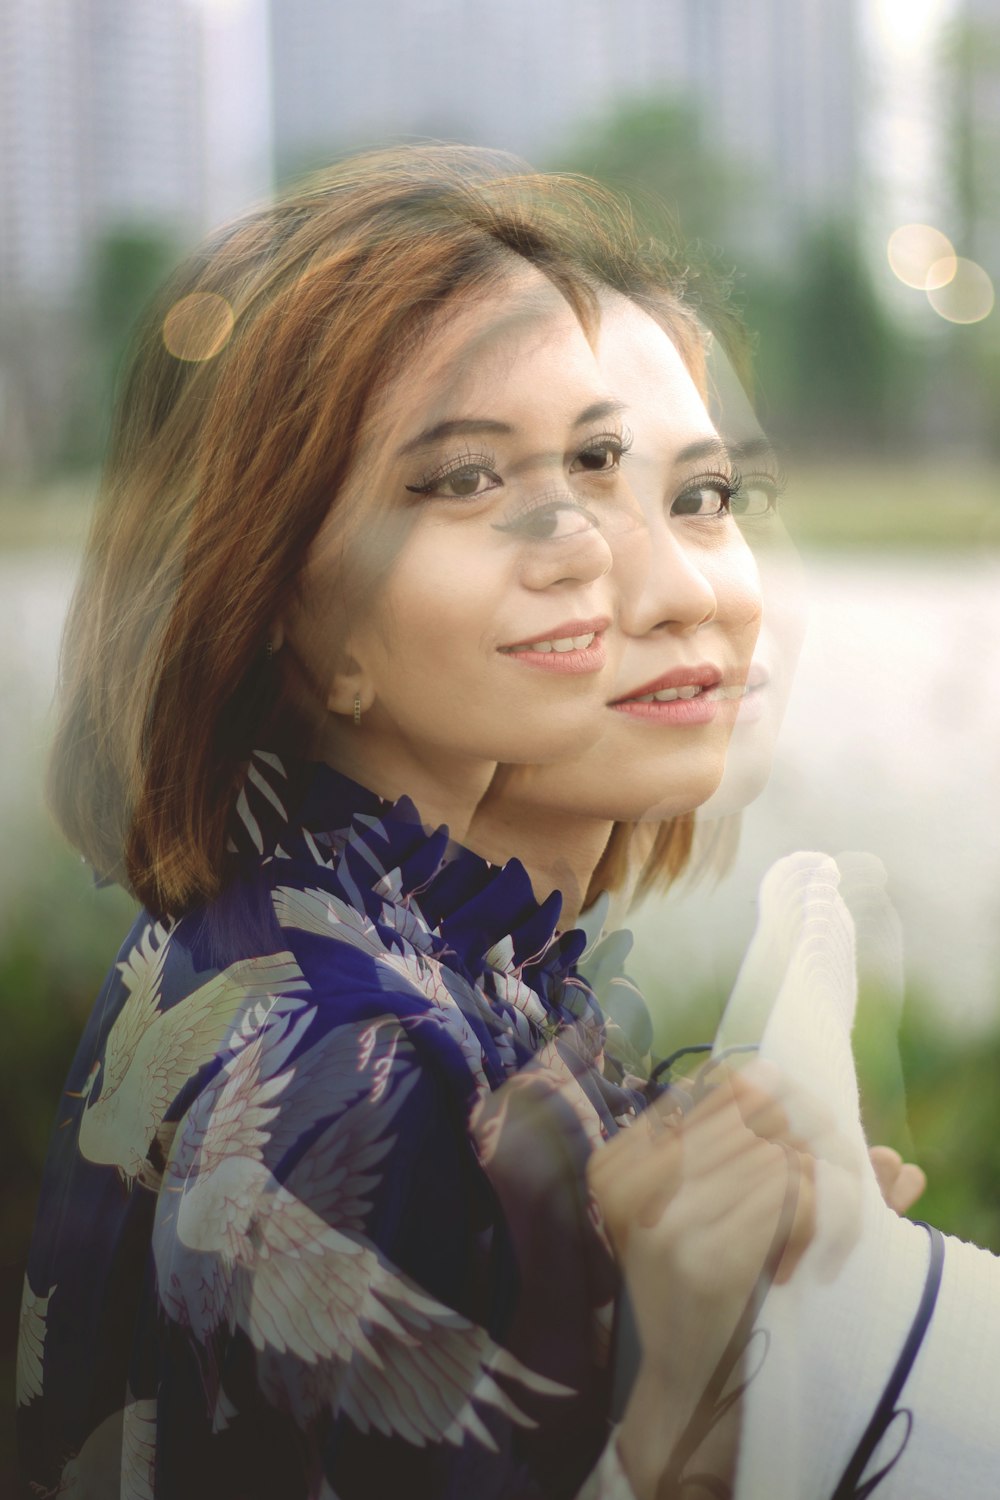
[461, 427]
[758, 447]
[469, 426]
[599, 411]
[715, 448]
[707, 448]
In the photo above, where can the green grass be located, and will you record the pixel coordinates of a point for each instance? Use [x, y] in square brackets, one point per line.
[927, 507]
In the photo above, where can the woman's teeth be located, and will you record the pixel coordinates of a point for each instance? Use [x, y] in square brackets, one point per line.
[667, 695]
[564, 643]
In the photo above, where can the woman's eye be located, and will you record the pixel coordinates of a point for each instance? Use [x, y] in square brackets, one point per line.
[704, 500]
[599, 457]
[463, 484]
[549, 523]
[755, 497]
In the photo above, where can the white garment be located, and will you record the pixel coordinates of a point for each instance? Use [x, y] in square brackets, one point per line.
[836, 1329]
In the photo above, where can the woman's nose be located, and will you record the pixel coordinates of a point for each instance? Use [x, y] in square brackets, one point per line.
[662, 587]
[581, 557]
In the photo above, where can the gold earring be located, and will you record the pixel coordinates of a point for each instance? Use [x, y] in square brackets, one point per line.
[357, 709]
[268, 650]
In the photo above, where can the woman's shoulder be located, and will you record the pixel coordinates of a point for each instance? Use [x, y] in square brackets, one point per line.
[349, 931]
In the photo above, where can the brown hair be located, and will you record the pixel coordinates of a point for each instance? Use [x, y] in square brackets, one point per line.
[643, 857]
[235, 427]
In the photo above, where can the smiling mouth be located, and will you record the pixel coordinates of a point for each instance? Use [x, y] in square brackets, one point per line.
[670, 695]
[572, 635]
[560, 643]
[576, 646]
[686, 695]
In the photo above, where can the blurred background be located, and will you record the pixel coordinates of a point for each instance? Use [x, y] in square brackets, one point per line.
[840, 161]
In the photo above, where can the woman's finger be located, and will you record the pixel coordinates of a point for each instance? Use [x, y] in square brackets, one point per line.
[907, 1188]
[901, 1183]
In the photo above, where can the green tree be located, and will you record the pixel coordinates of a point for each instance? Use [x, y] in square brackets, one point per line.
[971, 68]
[830, 369]
[844, 354]
[127, 266]
[654, 150]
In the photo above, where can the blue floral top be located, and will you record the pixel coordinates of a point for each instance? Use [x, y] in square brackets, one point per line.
[314, 1219]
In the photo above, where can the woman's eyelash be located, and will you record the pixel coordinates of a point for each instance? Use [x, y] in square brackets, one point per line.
[772, 482]
[742, 496]
[546, 504]
[724, 485]
[485, 463]
[619, 441]
[463, 464]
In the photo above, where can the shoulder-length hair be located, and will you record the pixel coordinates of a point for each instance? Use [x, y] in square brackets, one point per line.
[235, 427]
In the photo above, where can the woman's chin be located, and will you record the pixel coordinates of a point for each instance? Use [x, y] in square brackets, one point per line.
[657, 807]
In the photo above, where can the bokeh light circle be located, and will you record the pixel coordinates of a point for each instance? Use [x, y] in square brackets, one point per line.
[198, 326]
[967, 297]
[921, 256]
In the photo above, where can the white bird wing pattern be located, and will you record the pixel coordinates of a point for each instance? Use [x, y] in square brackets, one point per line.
[212, 1179]
[188, 1035]
[326, 915]
[238, 1105]
[138, 1450]
[31, 1344]
[334, 1323]
[384, 1352]
[353, 1059]
[141, 972]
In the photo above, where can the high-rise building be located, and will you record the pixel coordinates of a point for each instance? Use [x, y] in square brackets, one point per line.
[974, 131]
[114, 115]
[775, 83]
[41, 201]
[100, 125]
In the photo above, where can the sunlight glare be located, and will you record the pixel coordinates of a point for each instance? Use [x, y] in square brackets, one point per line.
[921, 256]
[904, 27]
[967, 296]
[198, 326]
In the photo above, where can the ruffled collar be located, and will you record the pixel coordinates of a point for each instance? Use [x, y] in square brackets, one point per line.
[441, 909]
[485, 916]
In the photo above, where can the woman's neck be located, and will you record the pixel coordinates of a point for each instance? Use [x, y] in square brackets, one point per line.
[559, 850]
[441, 794]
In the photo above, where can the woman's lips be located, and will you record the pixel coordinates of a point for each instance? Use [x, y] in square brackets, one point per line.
[573, 646]
[684, 695]
[754, 698]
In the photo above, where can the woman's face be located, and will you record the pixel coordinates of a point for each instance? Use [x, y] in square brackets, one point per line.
[485, 477]
[751, 750]
[691, 603]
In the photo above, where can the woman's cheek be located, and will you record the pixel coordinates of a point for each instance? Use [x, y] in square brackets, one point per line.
[738, 590]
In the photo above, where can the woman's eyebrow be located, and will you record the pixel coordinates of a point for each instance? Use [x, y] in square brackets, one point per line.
[757, 447]
[599, 411]
[459, 427]
[707, 448]
[470, 426]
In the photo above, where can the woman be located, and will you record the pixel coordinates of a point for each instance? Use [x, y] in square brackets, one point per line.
[322, 1149]
[874, 1367]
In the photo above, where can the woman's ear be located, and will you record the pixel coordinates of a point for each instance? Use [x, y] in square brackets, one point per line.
[331, 679]
[351, 689]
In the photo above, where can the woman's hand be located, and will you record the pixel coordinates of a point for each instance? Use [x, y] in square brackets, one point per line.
[902, 1182]
[703, 1209]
